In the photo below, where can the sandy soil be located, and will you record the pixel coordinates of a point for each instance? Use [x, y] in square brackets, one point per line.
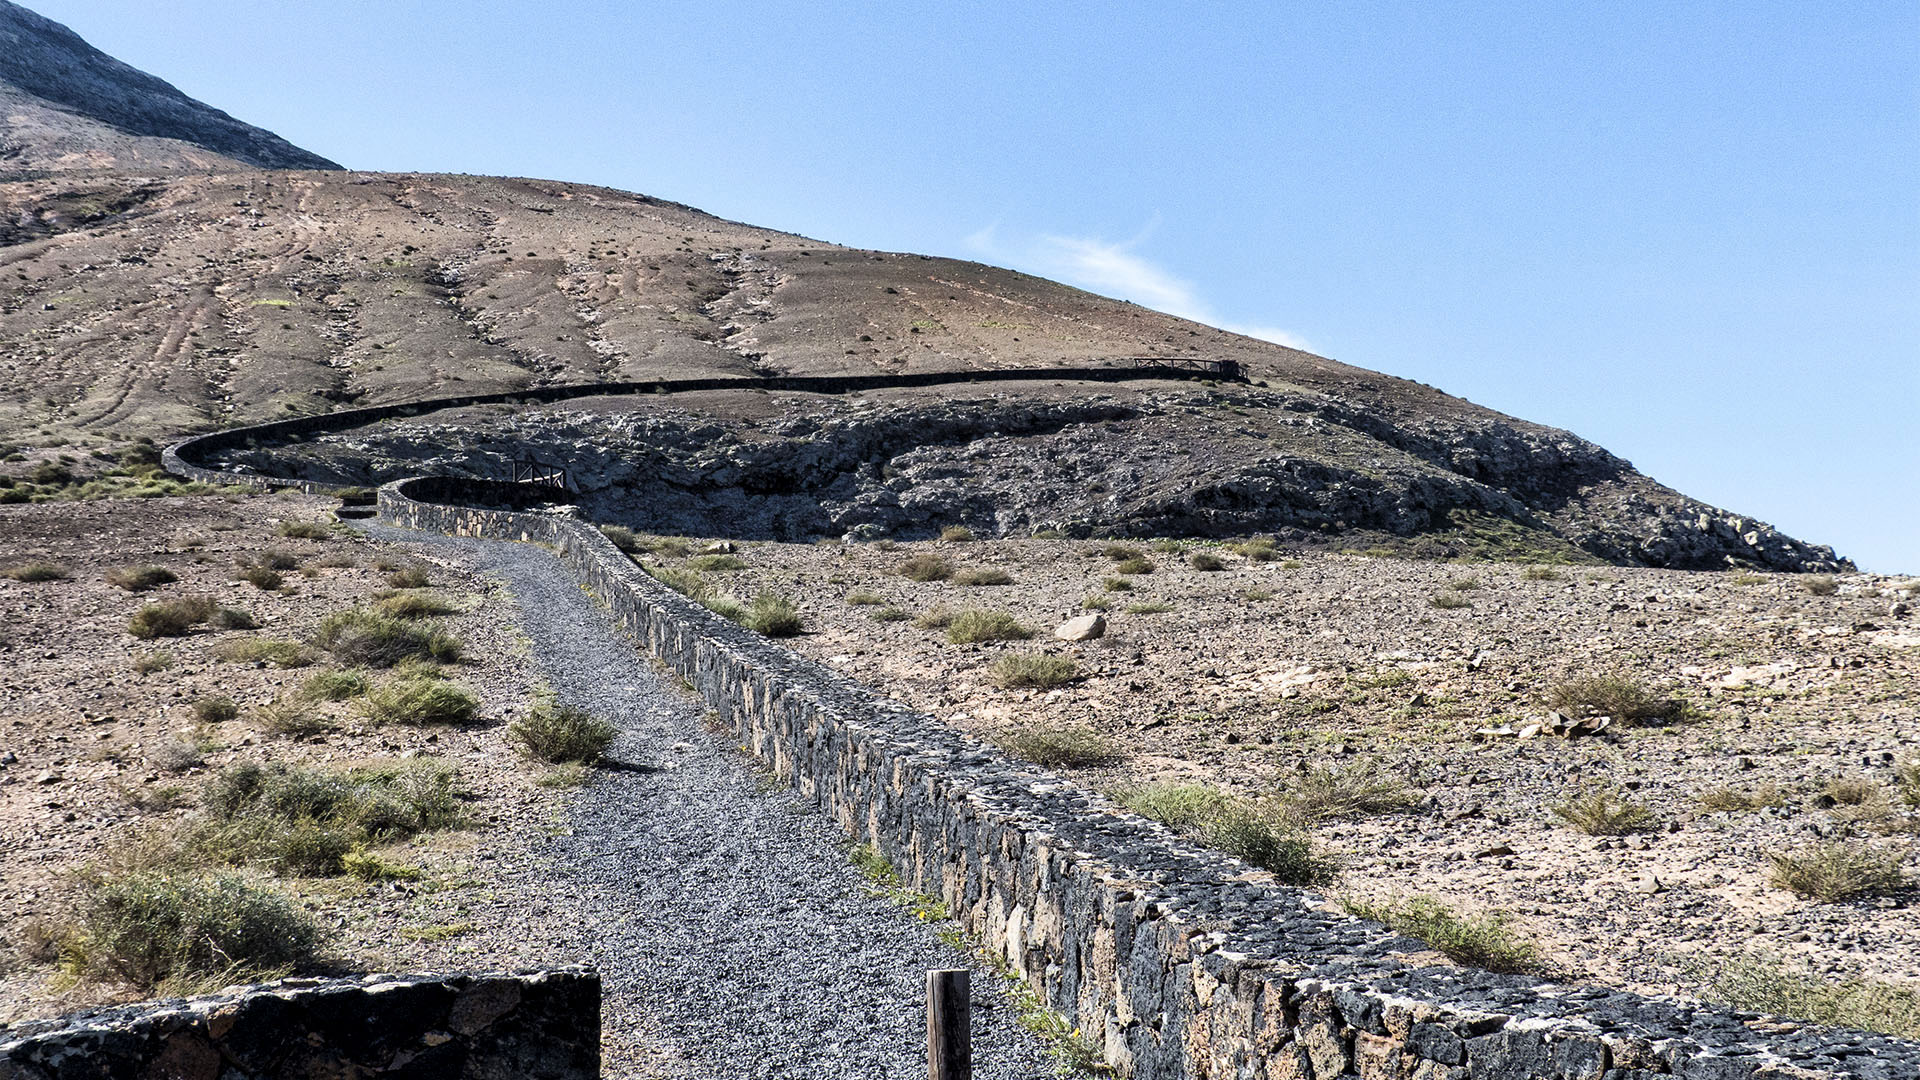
[92, 749]
[1263, 669]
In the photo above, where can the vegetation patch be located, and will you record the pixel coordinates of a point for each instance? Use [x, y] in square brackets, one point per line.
[773, 615]
[560, 734]
[956, 534]
[1323, 793]
[976, 625]
[1766, 985]
[1831, 871]
[170, 618]
[925, 567]
[36, 571]
[982, 575]
[1061, 748]
[253, 650]
[1604, 813]
[174, 932]
[1212, 817]
[1618, 696]
[141, 578]
[717, 563]
[370, 639]
[1206, 562]
[1035, 670]
[414, 604]
[1481, 940]
[418, 700]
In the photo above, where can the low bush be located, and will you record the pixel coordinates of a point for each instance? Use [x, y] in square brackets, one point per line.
[1149, 607]
[370, 639]
[281, 654]
[1604, 813]
[1221, 821]
[1039, 671]
[1135, 565]
[159, 929]
[925, 567]
[717, 563]
[561, 733]
[305, 530]
[300, 820]
[293, 719]
[1450, 601]
[865, 599]
[1121, 552]
[1257, 549]
[1851, 790]
[273, 559]
[1116, 584]
[935, 618]
[262, 578]
[1821, 585]
[1725, 799]
[334, 686]
[215, 710]
[982, 575]
[1906, 782]
[1096, 602]
[1257, 595]
[773, 615]
[170, 618]
[1746, 579]
[409, 577]
[956, 533]
[622, 538]
[1618, 696]
[976, 625]
[36, 571]
[1323, 793]
[1206, 561]
[890, 614]
[141, 578]
[1061, 748]
[414, 604]
[1834, 870]
[418, 700]
[1483, 941]
[1540, 572]
[1766, 985]
[157, 660]
[228, 618]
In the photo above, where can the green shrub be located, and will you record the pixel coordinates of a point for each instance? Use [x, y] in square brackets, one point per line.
[367, 638]
[157, 660]
[1135, 565]
[865, 599]
[414, 604]
[141, 578]
[976, 625]
[1292, 564]
[1149, 607]
[561, 733]
[418, 700]
[1603, 813]
[1906, 781]
[234, 619]
[215, 710]
[1540, 572]
[409, 577]
[334, 686]
[262, 578]
[1205, 561]
[1221, 821]
[153, 929]
[774, 616]
[170, 618]
[1017, 670]
[1822, 585]
[717, 563]
[281, 654]
[1450, 601]
[926, 567]
[1117, 584]
[1725, 799]
[1256, 595]
[1483, 941]
[306, 821]
[1095, 602]
[982, 576]
[273, 559]
[956, 533]
[1121, 552]
[890, 614]
[1834, 870]
[1618, 696]
[935, 618]
[305, 530]
[1257, 549]
[1766, 985]
[1061, 748]
[622, 538]
[294, 719]
[1323, 793]
[1746, 579]
[36, 571]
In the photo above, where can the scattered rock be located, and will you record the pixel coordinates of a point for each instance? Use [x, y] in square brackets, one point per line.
[1084, 628]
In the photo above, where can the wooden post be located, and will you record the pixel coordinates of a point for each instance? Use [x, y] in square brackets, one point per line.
[949, 1032]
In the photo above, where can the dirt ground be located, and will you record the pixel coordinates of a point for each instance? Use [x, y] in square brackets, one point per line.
[1263, 669]
[93, 753]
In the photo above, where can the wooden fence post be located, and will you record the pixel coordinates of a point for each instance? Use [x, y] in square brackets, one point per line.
[949, 1034]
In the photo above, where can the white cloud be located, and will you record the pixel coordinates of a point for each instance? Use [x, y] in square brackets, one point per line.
[1113, 268]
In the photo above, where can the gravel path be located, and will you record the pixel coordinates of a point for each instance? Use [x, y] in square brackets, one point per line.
[734, 937]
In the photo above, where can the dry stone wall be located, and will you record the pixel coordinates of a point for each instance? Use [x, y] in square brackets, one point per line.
[543, 1026]
[1175, 961]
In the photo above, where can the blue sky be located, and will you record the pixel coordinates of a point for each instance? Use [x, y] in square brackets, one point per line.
[1689, 232]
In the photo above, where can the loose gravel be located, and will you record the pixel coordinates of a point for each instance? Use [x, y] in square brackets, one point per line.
[733, 935]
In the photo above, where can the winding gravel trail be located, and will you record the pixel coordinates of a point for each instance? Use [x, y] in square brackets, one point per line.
[734, 938]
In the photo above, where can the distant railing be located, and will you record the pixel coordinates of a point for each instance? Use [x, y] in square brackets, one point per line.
[1225, 369]
[539, 474]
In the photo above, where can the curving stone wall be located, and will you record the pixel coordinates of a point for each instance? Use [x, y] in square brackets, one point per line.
[540, 1026]
[1177, 961]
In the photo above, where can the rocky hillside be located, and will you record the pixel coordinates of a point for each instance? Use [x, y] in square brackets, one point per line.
[66, 105]
[148, 303]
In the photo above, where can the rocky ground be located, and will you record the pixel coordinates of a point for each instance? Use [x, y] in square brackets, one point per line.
[1437, 676]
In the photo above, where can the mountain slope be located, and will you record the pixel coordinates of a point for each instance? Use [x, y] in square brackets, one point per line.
[66, 105]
